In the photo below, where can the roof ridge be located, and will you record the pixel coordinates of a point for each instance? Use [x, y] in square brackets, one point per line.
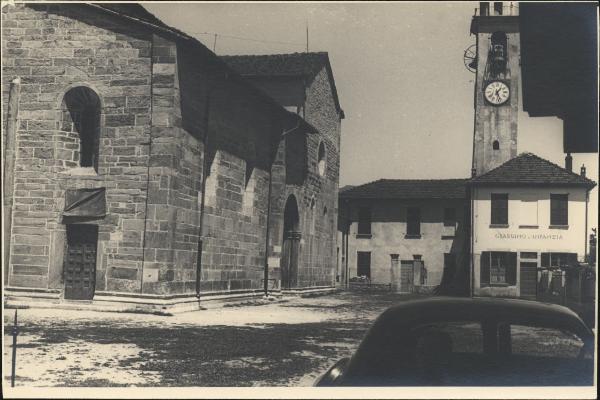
[276, 54]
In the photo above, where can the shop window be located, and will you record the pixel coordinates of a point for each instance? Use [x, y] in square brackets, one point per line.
[413, 222]
[363, 264]
[498, 268]
[81, 114]
[499, 209]
[449, 217]
[558, 260]
[364, 221]
[559, 209]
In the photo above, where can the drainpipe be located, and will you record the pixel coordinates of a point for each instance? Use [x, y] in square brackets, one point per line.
[266, 268]
[203, 184]
[9, 167]
[585, 235]
[472, 234]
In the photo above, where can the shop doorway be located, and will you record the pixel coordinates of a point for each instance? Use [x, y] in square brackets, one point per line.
[290, 249]
[528, 278]
[80, 263]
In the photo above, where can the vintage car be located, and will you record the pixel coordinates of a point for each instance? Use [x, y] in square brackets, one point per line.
[452, 341]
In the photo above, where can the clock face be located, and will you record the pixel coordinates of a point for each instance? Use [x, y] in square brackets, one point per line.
[496, 92]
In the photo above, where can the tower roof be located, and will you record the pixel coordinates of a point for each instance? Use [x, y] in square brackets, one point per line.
[531, 170]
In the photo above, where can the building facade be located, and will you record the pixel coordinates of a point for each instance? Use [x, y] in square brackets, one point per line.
[305, 198]
[409, 234]
[528, 214]
[132, 147]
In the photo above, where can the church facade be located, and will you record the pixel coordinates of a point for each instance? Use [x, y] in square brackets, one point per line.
[143, 171]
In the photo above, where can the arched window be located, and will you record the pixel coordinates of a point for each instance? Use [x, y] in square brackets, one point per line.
[81, 115]
[322, 159]
[496, 145]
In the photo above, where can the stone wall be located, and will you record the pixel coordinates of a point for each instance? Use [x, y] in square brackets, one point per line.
[54, 48]
[316, 195]
[169, 108]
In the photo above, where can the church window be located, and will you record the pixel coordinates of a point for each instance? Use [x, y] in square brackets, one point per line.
[496, 145]
[322, 159]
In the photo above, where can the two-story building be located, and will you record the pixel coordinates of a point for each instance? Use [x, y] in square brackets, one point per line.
[527, 214]
[410, 234]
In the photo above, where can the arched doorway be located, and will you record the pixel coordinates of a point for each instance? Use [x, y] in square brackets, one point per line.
[291, 244]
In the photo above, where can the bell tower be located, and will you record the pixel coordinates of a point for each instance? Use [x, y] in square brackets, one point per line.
[497, 70]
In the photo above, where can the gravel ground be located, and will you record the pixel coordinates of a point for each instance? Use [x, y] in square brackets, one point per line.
[287, 343]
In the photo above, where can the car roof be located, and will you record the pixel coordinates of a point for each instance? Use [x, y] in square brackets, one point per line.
[437, 309]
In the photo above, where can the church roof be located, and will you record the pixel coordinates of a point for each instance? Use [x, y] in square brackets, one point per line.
[408, 189]
[531, 170]
[282, 65]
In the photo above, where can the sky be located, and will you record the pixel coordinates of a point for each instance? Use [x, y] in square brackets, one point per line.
[399, 72]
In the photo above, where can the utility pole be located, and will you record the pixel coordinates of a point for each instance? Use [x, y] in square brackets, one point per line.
[307, 35]
[215, 44]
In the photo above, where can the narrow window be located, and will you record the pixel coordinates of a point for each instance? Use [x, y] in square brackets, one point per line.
[364, 221]
[496, 145]
[449, 216]
[499, 209]
[81, 106]
[559, 209]
[322, 159]
[413, 222]
[363, 264]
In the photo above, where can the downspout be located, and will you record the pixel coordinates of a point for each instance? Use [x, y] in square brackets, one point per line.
[472, 234]
[267, 232]
[203, 184]
[148, 166]
[585, 235]
[347, 229]
[9, 167]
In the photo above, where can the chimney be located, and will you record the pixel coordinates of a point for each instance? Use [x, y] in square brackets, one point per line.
[569, 162]
[583, 170]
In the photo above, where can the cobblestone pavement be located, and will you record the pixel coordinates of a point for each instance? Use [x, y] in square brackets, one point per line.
[286, 343]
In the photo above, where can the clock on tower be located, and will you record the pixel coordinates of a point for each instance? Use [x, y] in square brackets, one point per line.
[495, 63]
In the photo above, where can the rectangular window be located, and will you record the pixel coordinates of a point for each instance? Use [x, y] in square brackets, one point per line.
[449, 216]
[499, 209]
[413, 221]
[528, 212]
[558, 260]
[363, 264]
[559, 209]
[498, 268]
[364, 221]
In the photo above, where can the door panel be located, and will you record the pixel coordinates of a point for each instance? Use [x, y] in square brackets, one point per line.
[80, 265]
[528, 278]
[406, 276]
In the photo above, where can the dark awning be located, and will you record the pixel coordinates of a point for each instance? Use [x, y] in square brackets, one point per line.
[85, 203]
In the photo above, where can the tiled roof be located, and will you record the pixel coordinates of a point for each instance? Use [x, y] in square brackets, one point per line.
[408, 189]
[529, 169]
[294, 64]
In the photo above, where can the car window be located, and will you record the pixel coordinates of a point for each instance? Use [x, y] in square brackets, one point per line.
[544, 342]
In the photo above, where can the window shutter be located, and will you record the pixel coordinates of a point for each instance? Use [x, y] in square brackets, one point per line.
[485, 269]
[511, 268]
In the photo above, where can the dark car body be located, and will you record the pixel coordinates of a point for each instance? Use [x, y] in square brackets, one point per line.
[490, 344]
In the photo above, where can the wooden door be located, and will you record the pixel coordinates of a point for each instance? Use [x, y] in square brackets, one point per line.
[406, 276]
[80, 263]
[528, 278]
[289, 260]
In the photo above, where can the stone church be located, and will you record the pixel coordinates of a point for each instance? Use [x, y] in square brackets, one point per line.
[143, 171]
